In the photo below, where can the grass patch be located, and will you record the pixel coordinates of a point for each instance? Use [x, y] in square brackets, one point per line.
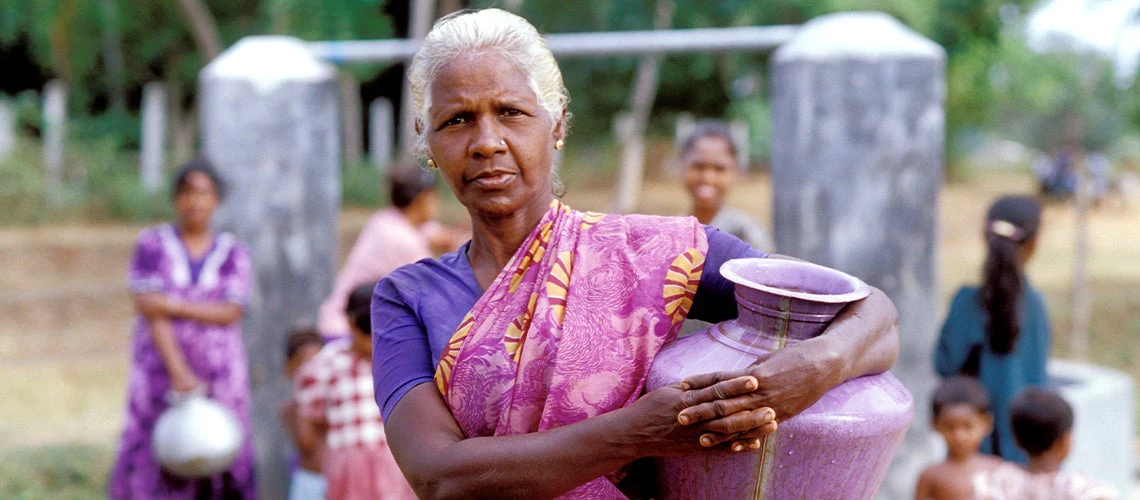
[58, 472]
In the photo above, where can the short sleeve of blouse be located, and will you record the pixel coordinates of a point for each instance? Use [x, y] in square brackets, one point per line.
[401, 354]
[144, 273]
[236, 275]
[714, 301]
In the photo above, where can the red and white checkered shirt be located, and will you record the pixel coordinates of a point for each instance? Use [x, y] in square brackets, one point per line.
[335, 387]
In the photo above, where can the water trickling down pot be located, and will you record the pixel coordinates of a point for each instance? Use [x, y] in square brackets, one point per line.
[840, 447]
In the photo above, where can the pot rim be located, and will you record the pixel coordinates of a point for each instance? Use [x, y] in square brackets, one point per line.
[730, 270]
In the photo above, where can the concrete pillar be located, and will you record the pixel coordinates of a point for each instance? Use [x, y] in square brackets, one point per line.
[270, 124]
[7, 129]
[380, 132]
[153, 155]
[1103, 421]
[858, 124]
[55, 128]
[352, 117]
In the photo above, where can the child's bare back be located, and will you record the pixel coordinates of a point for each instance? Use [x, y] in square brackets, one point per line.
[953, 479]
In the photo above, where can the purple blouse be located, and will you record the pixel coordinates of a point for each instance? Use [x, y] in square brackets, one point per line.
[416, 309]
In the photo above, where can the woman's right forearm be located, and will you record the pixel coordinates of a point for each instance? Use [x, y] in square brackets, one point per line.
[162, 334]
[522, 466]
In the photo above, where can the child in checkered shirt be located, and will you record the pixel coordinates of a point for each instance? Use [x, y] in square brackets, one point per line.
[334, 399]
[306, 481]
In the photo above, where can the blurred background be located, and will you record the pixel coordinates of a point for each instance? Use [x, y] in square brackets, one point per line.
[1029, 85]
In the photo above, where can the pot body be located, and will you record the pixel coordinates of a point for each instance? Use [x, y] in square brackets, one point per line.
[196, 437]
[840, 447]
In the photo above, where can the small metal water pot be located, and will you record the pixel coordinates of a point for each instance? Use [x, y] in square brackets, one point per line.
[196, 437]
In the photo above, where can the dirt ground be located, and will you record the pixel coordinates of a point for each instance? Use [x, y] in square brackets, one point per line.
[64, 314]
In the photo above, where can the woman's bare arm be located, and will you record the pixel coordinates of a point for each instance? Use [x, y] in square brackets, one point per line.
[182, 377]
[440, 462]
[217, 313]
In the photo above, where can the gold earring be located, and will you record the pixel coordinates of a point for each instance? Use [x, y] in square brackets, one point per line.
[559, 144]
[431, 164]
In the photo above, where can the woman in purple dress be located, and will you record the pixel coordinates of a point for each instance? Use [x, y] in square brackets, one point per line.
[189, 286]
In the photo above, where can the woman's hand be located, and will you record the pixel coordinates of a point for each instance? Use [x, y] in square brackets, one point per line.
[862, 340]
[663, 424]
[184, 381]
[789, 381]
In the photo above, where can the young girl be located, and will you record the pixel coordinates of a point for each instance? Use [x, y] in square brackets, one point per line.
[999, 332]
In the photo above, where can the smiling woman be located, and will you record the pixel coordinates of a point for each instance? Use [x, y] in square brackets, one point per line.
[528, 348]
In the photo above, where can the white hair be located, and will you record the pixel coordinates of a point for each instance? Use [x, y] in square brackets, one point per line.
[485, 31]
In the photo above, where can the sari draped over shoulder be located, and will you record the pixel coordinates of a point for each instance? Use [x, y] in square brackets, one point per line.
[570, 327]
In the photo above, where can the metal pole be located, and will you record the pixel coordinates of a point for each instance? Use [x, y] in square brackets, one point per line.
[755, 38]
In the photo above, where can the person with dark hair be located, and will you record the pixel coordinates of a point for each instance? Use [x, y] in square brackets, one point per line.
[1042, 424]
[189, 285]
[709, 160]
[398, 235]
[306, 481]
[999, 332]
[961, 414]
[333, 392]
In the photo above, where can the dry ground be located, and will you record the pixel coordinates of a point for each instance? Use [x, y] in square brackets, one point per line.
[64, 314]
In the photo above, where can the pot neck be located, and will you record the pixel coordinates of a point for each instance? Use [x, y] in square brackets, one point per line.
[782, 318]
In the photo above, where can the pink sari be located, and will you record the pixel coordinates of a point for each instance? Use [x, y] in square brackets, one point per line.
[569, 328]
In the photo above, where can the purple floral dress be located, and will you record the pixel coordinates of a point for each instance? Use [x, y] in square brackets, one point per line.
[215, 352]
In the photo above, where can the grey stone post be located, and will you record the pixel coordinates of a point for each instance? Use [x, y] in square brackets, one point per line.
[380, 130]
[153, 157]
[858, 124]
[7, 129]
[55, 128]
[270, 125]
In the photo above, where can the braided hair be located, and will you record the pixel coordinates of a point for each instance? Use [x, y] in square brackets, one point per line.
[1011, 222]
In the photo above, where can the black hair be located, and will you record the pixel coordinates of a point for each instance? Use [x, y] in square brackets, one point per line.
[960, 391]
[1011, 222]
[299, 338]
[406, 182]
[1039, 418]
[359, 308]
[708, 128]
[202, 165]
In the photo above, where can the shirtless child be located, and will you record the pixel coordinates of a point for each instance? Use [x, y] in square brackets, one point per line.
[962, 416]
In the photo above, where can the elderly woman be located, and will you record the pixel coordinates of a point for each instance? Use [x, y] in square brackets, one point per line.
[515, 366]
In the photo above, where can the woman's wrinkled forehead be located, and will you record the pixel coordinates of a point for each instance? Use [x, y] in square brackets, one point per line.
[462, 67]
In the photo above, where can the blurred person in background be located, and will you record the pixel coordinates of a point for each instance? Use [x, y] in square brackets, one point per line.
[189, 285]
[999, 332]
[1042, 423]
[335, 405]
[960, 413]
[305, 479]
[709, 162]
[398, 235]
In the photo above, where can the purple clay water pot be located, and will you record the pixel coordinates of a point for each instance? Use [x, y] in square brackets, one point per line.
[840, 447]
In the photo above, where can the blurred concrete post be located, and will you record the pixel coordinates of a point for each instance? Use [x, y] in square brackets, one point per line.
[858, 124]
[7, 129]
[352, 117]
[380, 122]
[153, 157]
[270, 123]
[55, 128]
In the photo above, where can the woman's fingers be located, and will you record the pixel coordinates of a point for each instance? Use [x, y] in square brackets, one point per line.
[718, 408]
[742, 422]
[707, 379]
[713, 395]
